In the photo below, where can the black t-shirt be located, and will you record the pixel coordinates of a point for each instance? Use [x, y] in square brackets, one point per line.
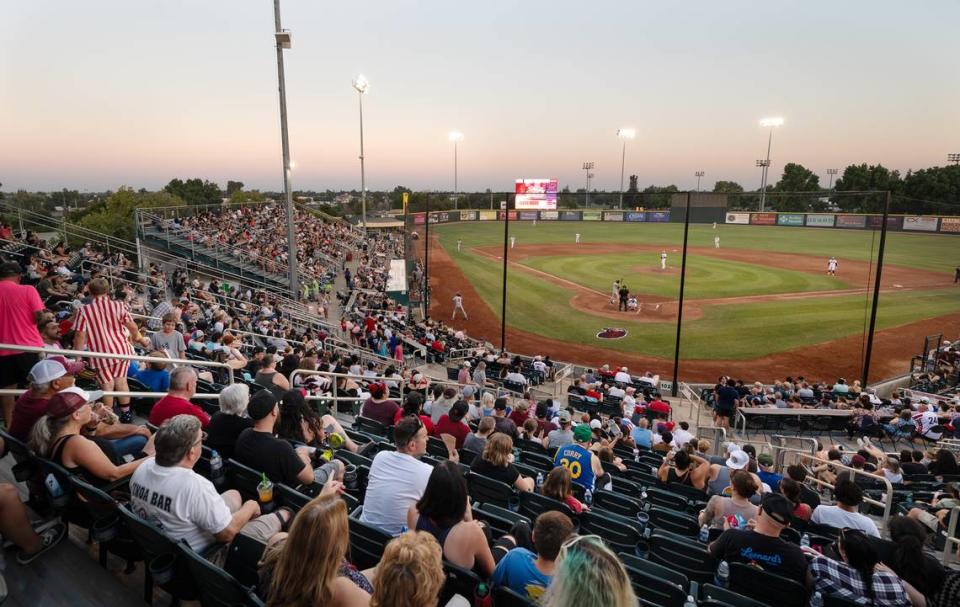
[726, 397]
[770, 553]
[223, 431]
[266, 453]
[505, 474]
[913, 468]
[809, 497]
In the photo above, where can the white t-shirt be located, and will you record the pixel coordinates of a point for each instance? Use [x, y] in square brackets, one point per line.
[617, 392]
[396, 481]
[183, 503]
[838, 518]
[623, 377]
[681, 437]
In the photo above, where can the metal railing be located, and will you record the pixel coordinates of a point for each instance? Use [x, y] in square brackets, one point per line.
[804, 457]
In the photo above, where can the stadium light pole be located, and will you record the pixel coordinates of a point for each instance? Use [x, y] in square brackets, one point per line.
[832, 173]
[954, 158]
[284, 40]
[588, 166]
[772, 123]
[876, 292]
[361, 85]
[699, 174]
[456, 137]
[683, 278]
[624, 135]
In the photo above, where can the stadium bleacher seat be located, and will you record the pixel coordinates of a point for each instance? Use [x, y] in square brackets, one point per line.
[766, 587]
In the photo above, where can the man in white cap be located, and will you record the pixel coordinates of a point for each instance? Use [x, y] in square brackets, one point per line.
[562, 436]
[46, 378]
[623, 376]
[719, 478]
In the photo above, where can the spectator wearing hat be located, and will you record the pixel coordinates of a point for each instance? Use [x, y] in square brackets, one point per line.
[58, 436]
[259, 449]
[20, 311]
[441, 406]
[562, 436]
[766, 472]
[762, 546]
[46, 378]
[183, 386]
[583, 465]
[379, 406]
[165, 489]
[463, 377]
[719, 478]
[503, 423]
[845, 513]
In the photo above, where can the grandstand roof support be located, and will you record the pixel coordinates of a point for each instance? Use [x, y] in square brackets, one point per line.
[283, 40]
[876, 292]
[683, 277]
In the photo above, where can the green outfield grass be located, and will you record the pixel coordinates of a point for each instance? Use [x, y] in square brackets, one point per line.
[739, 331]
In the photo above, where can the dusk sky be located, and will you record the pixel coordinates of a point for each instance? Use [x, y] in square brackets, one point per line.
[98, 94]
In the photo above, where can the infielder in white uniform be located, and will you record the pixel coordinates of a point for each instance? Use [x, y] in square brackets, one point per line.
[832, 266]
[459, 244]
[716, 241]
[576, 238]
[614, 292]
[513, 241]
[458, 305]
[663, 260]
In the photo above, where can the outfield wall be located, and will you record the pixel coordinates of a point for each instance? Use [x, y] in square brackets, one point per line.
[848, 221]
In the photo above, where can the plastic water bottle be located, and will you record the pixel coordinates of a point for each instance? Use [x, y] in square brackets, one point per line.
[816, 600]
[539, 481]
[704, 534]
[588, 497]
[805, 540]
[690, 602]
[216, 464]
[636, 455]
[723, 574]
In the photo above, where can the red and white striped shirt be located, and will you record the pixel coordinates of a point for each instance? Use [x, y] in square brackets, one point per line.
[104, 321]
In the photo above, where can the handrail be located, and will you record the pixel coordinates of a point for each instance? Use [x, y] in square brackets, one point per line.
[951, 538]
[134, 357]
[886, 504]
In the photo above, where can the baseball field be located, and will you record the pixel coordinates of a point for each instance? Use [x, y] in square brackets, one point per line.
[759, 306]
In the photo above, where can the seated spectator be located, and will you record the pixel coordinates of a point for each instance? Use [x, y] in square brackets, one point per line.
[934, 515]
[682, 435]
[557, 486]
[504, 424]
[410, 573]
[413, 405]
[684, 469]
[496, 462]
[444, 512]
[315, 537]
[762, 544]
[15, 526]
[227, 424]
[589, 573]
[57, 436]
[904, 553]
[46, 378]
[845, 514]
[908, 464]
[584, 466]
[791, 490]
[301, 423]
[529, 574]
[808, 496]
[945, 463]
[719, 508]
[662, 441]
[854, 578]
[379, 407]
[398, 478]
[442, 405]
[452, 423]
[268, 377]
[765, 471]
[478, 440]
[259, 449]
[641, 434]
[562, 436]
[166, 491]
[183, 385]
[544, 425]
[154, 374]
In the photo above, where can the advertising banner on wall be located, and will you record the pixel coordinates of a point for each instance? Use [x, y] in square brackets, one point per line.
[851, 221]
[950, 224]
[635, 216]
[763, 219]
[738, 217]
[920, 224]
[789, 219]
[513, 216]
[592, 215]
[528, 215]
[418, 219]
[487, 216]
[468, 215]
[536, 194]
[549, 215]
[613, 216]
[820, 221]
[569, 215]
[659, 216]
[875, 221]
[894, 223]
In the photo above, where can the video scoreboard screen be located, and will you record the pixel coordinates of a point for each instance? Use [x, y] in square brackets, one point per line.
[536, 194]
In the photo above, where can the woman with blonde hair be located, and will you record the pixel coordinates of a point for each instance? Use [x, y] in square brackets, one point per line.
[589, 573]
[496, 462]
[307, 567]
[410, 573]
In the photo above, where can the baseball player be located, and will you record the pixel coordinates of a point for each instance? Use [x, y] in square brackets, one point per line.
[716, 241]
[663, 260]
[576, 239]
[614, 292]
[459, 244]
[832, 266]
[513, 241]
[458, 305]
[714, 225]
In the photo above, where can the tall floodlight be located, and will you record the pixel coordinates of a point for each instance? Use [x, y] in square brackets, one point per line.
[954, 158]
[361, 85]
[624, 135]
[699, 174]
[284, 40]
[832, 173]
[772, 123]
[588, 166]
[456, 137]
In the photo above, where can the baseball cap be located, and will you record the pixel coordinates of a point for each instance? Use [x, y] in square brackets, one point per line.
[261, 404]
[765, 459]
[66, 401]
[564, 416]
[858, 460]
[777, 507]
[738, 460]
[449, 393]
[582, 433]
[45, 372]
[595, 424]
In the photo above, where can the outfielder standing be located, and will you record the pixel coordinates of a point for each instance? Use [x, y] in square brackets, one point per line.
[663, 260]
[458, 305]
[576, 239]
[716, 241]
[832, 266]
[459, 244]
[513, 241]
